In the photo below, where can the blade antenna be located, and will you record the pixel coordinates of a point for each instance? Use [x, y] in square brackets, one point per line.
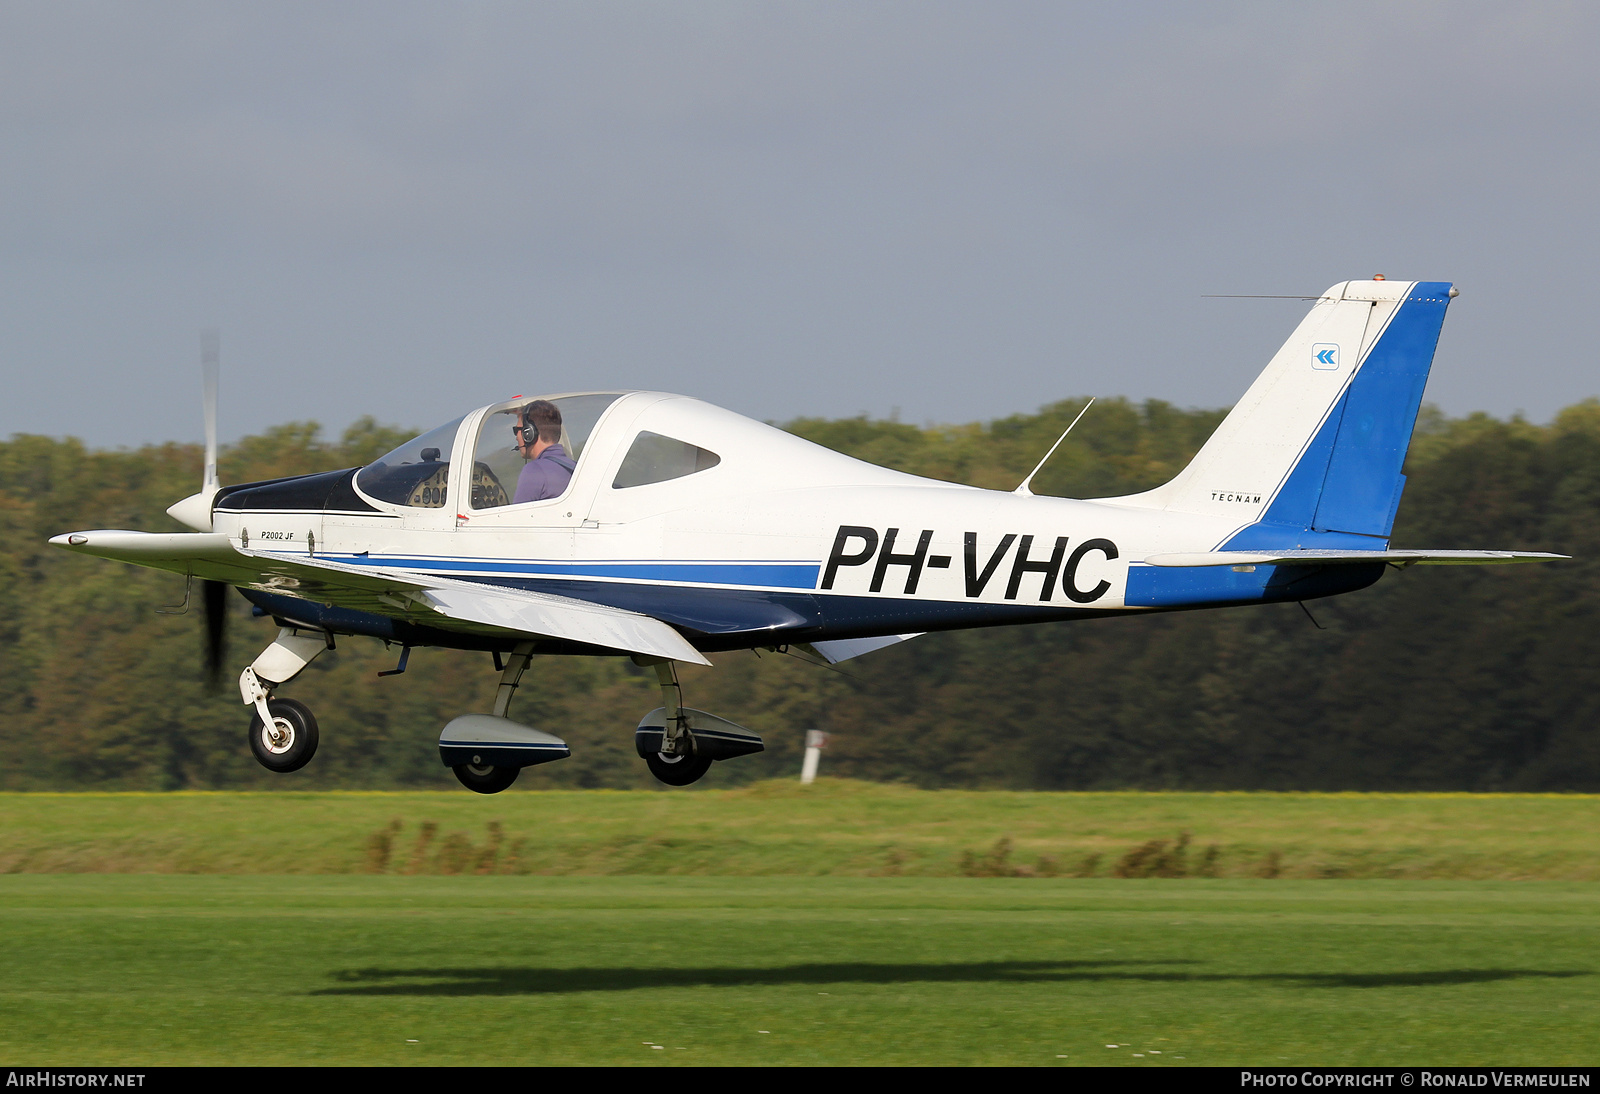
[787, 652]
[1309, 616]
[210, 366]
[1023, 489]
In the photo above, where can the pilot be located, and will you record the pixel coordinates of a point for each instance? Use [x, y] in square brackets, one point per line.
[549, 468]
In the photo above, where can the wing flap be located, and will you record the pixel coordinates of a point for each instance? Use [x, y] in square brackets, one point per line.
[562, 617]
[516, 610]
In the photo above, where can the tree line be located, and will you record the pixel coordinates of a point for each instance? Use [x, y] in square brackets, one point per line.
[1437, 678]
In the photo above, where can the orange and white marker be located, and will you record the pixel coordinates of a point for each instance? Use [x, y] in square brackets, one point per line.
[816, 741]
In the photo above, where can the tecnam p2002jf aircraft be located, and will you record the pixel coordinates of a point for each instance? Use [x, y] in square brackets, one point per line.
[686, 530]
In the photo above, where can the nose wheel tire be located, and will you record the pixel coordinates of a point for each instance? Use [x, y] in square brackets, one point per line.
[290, 742]
[485, 778]
[678, 770]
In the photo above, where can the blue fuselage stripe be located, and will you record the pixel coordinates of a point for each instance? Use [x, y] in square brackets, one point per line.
[768, 575]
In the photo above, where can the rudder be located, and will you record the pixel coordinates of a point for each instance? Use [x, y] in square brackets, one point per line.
[1361, 490]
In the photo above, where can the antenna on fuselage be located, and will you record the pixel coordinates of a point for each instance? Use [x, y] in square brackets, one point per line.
[1023, 489]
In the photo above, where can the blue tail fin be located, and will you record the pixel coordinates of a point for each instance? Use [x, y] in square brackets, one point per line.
[1345, 487]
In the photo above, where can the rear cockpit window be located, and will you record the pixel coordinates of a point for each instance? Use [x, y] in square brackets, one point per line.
[654, 458]
[417, 473]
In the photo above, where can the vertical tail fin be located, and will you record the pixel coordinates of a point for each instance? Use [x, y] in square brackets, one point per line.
[1311, 455]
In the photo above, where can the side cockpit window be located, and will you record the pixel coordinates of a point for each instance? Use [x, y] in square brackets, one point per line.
[528, 449]
[654, 458]
[417, 473]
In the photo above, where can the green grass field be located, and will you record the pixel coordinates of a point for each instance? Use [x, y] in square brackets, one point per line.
[835, 828]
[767, 925]
[131, 970]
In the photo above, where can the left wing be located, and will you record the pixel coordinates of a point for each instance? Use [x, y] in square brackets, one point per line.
[433, 601]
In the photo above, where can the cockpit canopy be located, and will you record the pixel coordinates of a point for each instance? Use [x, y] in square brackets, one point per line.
[497, 461]
[418, 472]
[620, 448]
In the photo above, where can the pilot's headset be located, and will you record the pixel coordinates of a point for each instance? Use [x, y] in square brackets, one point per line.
[528, 433]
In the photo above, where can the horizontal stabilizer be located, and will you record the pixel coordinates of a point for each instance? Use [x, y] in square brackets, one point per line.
[1312, 557]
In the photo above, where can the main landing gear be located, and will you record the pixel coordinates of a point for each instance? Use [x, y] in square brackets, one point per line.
[679, 744]
[486, 751]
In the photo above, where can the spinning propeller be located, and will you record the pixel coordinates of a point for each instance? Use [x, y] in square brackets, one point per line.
[195, 510]
[213, 598]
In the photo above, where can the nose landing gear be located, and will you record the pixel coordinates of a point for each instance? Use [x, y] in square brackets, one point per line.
[288, 742]
[283, 732]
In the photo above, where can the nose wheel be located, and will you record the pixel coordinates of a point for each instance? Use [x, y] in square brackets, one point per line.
[290, 741]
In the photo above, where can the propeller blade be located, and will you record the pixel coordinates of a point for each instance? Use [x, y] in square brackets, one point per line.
[213, 595]
[210, 368]
[195, 510]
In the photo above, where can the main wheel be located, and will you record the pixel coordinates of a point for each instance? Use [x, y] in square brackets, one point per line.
[290, 742]
[678, 770]
[485, 778]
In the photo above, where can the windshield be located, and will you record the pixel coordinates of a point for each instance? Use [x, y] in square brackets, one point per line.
[527, 448]
[417, 473]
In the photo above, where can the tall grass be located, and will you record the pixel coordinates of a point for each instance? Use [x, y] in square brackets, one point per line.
[832, 828]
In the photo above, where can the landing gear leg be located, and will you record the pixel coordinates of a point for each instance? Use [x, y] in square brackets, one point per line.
[516, 665]
[492, 778]
[283, 733]
[676, 764]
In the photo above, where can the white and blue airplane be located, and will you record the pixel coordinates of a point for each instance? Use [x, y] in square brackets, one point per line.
[687, 530]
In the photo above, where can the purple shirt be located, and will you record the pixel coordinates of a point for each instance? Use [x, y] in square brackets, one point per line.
[545, 477]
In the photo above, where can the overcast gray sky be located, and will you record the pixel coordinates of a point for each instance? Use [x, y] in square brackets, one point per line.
[960, 210]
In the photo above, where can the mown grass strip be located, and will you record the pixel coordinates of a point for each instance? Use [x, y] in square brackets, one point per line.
[132, 970]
